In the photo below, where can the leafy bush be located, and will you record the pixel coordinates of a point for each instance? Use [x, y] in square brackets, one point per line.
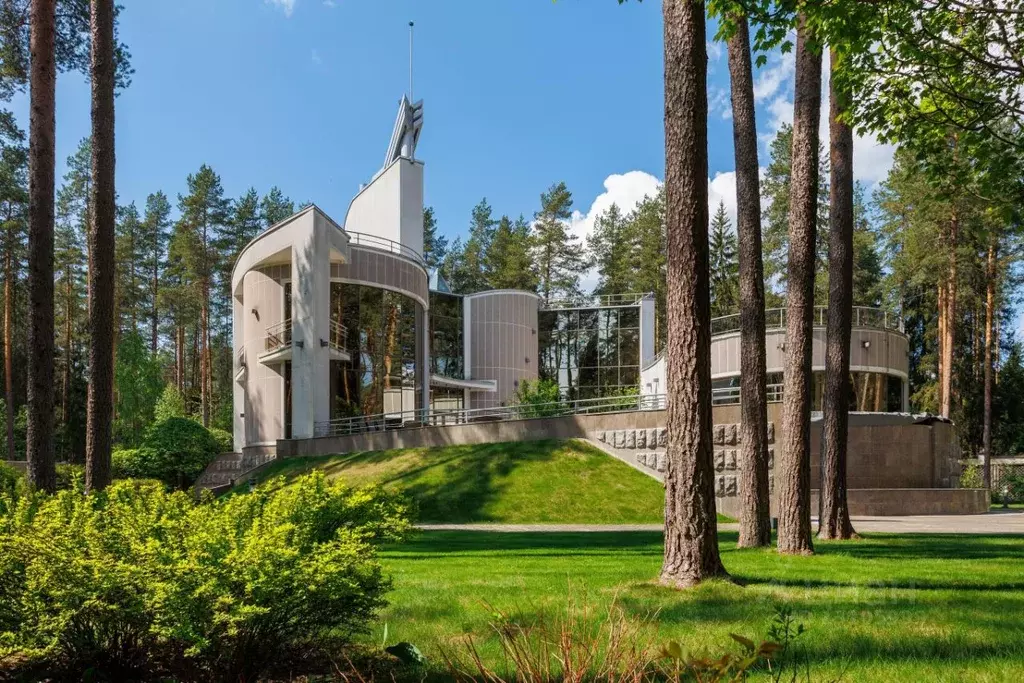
[225, 441]
[10, 479]
[137, 581]
[170, 404]
[175, 451]
[970, 475]
[540, 398]
[70, 476]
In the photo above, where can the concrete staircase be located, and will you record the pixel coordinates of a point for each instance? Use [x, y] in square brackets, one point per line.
[230, 468]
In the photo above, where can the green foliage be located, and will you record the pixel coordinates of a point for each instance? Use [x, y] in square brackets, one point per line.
[138, 382]
[725, 265]
[435, 246]
[1009, 418]
[225, 440]
[136, 581]
[509, 259]
[20, 432]
[540, 398]
[970, 475]
[170, 404]
[10, 479]
[560, 257]
[174, 451]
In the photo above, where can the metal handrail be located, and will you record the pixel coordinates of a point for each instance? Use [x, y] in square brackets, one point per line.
[337, 335]
[363, 239]
[596, 301]
[730, 396]
[407, 419]
[278, 335]
[775, 319]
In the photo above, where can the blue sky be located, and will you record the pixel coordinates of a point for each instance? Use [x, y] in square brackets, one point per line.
[302, 94]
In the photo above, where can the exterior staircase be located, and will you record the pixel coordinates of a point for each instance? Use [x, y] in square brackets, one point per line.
[230, 468]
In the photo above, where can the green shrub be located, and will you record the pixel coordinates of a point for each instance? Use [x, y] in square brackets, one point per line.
[225, 441]
[175, 451]
[540, 398]
[137, 581]
[70, 476]
[970, 475]
[170, 404]
[10, 479]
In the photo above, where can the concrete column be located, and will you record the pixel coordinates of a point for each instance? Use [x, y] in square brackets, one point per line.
[423, 357]
[311, 279]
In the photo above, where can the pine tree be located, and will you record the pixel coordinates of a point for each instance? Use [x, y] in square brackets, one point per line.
[13, 233]
[613, 248]
[131, 279]
[244, 224]
[435, 246]
[691, 537]
[646, 230]
[275, 207]
[155, 233]
[204, 214]
[509, 263]
[559, 255]
[70, 266]
[724, 265]
[468, 273]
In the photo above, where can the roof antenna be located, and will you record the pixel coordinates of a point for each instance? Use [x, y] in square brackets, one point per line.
[411, 98]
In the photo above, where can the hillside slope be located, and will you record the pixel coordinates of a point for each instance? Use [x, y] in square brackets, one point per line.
[563, 482]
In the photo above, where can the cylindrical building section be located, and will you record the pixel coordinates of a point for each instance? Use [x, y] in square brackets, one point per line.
[502, 343]
[263, 297]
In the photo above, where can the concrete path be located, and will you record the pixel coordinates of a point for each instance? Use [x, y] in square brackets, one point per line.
[996, 522]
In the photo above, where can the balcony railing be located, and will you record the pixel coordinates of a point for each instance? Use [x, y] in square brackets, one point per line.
[361, 239]
[597, 301]
[775, 319]
[279, 336]
[337, 336]
[730, 396]
[409, 419]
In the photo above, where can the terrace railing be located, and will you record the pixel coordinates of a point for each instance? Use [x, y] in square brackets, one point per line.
[775, 319]
[361, 239]
[278, 336]
[409, 419]
[337, 335]
[596, 301]
[730, 396]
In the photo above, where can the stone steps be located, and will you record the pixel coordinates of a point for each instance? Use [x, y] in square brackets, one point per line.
[229, 468]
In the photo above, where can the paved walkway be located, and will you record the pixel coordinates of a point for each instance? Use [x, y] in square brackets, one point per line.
[996, 522]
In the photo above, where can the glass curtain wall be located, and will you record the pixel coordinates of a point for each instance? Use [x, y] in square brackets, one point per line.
[383, 375]
[872, 392]
[446, 336]
[591, 352]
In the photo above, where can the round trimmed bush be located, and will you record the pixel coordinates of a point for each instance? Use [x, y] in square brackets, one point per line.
[225, 441]
[175, 451]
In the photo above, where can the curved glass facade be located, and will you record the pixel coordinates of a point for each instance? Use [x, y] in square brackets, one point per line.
[871, 392]
[383, 375]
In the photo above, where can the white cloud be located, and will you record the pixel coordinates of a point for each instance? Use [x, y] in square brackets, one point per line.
[719, 102]
[772, 77]
[714, 51]
[330, 3]
[315, 56]
[287, 6]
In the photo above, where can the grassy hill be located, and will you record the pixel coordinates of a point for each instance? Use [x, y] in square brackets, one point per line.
[557, 482]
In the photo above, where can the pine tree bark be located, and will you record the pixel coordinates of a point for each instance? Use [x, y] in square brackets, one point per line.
[949, 317]
[99, 428]
[834, 512]
[755, 515]
[66, 383]
[42, 160]
[793, 479]
[691, 534]
[155, 291]
[9, 345]
[990, 302]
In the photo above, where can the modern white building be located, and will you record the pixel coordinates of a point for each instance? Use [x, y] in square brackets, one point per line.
[343, 324]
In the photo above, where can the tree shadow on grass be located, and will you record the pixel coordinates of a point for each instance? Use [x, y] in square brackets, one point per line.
[929, 547]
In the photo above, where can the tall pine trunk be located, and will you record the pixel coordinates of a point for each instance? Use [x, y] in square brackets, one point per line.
[99, 429]
[834, 512]
[155, 313]
[948, 317]
[755, 515]
[42, 159]
[793, 479]
[691, 535]
[8, 344]
[66, 383]
[990, 314]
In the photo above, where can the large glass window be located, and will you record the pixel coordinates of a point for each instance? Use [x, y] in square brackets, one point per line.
[382, 375]
[872, 392]
[446, 336]
[591, 352]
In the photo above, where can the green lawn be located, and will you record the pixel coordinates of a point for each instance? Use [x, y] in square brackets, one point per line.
[911, 607]
[567, 482]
